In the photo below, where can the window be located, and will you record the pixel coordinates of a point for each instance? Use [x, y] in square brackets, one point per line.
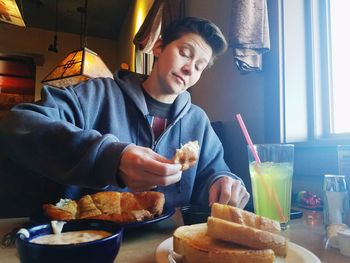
[340, 84]
[143, 62]
[309, 51]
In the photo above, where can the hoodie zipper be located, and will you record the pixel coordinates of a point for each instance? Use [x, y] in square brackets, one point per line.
[161, 135]
[155, 142]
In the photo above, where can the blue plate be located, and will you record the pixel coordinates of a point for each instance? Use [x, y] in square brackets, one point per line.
[167, 212]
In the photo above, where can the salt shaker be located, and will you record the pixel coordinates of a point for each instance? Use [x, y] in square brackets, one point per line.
[336, 200]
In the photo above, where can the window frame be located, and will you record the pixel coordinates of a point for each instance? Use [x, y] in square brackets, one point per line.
[314, 94]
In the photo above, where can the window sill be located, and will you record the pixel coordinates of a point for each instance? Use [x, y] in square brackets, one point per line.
[327, 142]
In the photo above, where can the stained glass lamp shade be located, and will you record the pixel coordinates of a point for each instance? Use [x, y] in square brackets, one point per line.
[78, 66]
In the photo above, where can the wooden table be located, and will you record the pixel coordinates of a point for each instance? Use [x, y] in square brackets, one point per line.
[309, 232]
[139, 245]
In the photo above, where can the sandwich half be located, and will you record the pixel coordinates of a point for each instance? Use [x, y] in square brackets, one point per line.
[240, 216]
[194, 246]
[246, 236]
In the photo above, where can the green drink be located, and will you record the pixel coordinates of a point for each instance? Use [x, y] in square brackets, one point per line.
[277, 178]
[271, 179]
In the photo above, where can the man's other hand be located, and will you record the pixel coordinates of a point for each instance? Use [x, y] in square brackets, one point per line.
[227, 190]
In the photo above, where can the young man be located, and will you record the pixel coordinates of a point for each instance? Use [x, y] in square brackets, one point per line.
[121, 134]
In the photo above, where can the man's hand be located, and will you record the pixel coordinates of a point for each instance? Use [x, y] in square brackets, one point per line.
[227, 190]
[143, 169]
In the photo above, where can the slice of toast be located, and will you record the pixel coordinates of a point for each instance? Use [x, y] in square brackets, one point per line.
[244, 217]
[193, 243]
[246, 235]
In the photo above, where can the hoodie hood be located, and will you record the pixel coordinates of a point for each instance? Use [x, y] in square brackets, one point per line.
[131, 84]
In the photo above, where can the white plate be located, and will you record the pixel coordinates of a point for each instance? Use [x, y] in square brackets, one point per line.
[295, 253]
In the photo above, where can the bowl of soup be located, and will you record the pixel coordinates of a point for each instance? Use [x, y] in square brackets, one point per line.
[86, 240]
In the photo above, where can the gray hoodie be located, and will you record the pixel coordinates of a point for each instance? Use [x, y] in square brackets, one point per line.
[75, 137]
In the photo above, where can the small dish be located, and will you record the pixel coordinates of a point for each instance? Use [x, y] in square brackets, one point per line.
[195, 214]
[100, 250]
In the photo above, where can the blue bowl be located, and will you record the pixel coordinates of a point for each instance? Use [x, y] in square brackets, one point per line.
[101, 250]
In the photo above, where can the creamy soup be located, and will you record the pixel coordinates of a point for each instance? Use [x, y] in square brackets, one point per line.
[72, 237]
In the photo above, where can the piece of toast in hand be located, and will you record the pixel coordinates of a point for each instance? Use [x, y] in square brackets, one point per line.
[187, 155]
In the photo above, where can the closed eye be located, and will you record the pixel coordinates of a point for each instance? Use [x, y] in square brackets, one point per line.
[185, 52]
[199, 67]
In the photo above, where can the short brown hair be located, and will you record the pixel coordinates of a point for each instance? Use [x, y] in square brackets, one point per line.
[210, 32]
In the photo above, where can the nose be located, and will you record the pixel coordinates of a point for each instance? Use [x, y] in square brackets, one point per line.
[188, 68]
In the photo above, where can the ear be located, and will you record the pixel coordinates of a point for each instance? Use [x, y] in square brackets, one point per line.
[157, 47]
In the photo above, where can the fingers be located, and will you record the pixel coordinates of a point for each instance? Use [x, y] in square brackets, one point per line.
[148, 160]
[241, 196]
[149, 179]
[236, 189]
[220, 191]
[214, 194]
[142, 181]
[227, 190]
[226, 193]
[244, 197]
[158, 167]
[143, 169]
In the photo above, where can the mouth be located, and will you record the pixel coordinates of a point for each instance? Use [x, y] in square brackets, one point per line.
[180, 79]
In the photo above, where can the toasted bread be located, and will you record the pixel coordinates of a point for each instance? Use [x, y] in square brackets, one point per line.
[65, 209]
[150, 200]
[246, 235]
[114, 206]
[187, 155]
[87, 207]
[247, 218]
[107, 202]
[125, 217]
[193, 243]
[55, 213]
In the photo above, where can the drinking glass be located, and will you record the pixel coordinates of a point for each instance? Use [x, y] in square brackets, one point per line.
[336, 200]
[271, 173]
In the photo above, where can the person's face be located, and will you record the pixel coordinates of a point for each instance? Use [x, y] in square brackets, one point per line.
[181, 63]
